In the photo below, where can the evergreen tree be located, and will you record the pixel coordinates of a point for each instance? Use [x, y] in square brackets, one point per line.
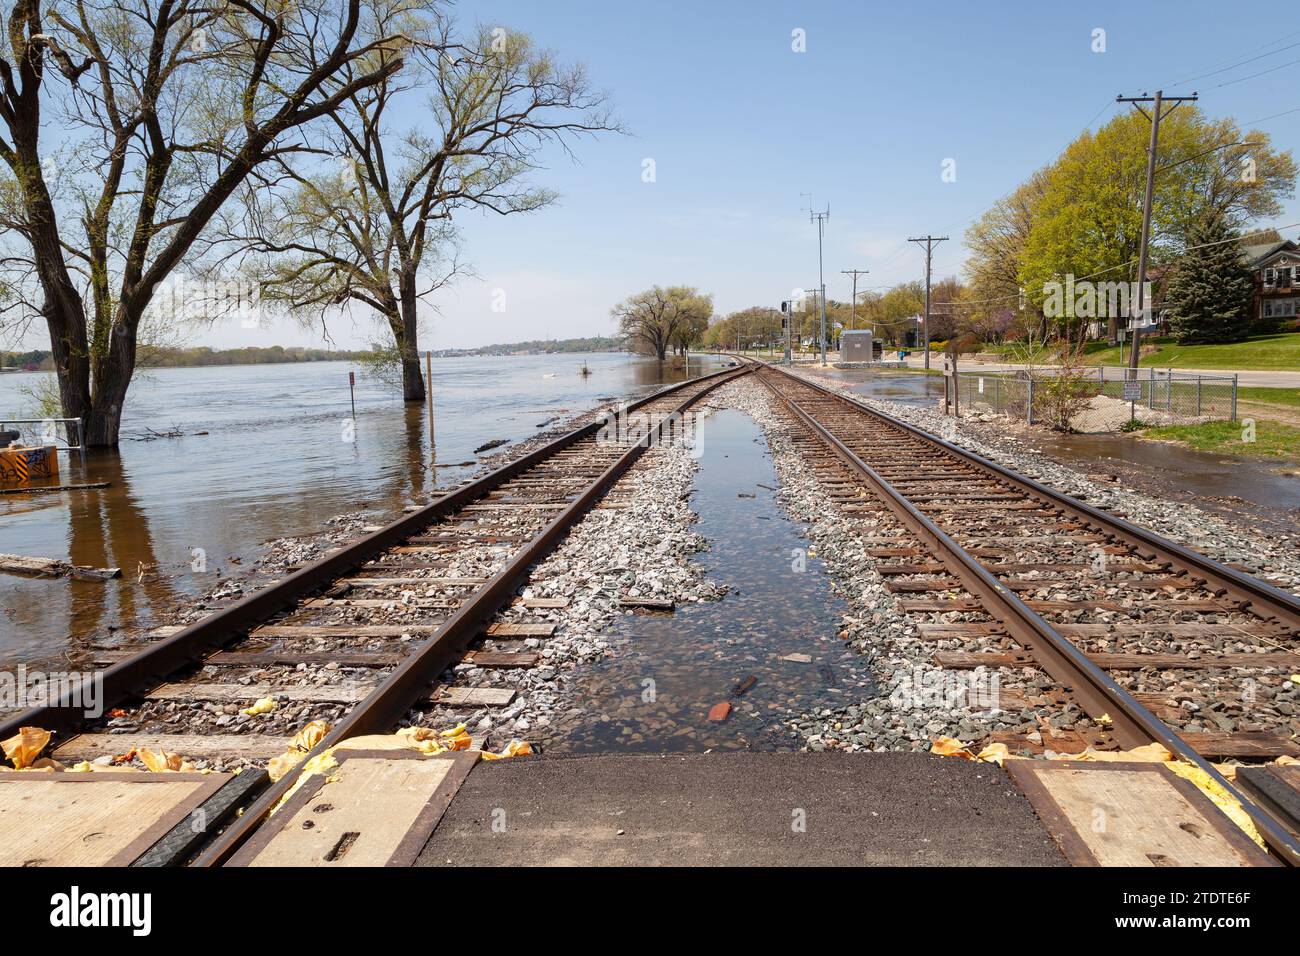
[1210, 292]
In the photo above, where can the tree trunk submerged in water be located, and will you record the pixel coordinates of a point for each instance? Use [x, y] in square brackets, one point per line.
[406, 331]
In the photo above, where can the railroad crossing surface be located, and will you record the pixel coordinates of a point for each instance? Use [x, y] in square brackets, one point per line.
[377, 807]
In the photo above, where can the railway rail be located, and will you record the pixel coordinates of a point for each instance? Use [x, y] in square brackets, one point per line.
[1048, 580]
[434, 578]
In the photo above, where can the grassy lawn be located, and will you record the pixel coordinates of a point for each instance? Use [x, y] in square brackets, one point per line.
[1263, 352]
[1273, 396]
[1273, 440]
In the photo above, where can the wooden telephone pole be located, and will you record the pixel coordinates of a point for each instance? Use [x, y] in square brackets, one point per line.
[930, 242]
[1158, 112]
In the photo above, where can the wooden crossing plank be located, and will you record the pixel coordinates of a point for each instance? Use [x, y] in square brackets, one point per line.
[191, 746]
[94, 819]
[1148, 815]
[331, 820]
[1277, 789]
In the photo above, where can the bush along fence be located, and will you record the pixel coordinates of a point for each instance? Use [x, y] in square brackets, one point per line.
[1101, 399]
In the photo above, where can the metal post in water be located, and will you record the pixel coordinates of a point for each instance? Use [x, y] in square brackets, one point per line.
[428, 389]
[352, 391]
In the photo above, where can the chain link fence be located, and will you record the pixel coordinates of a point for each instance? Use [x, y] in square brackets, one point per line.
[1102, 399]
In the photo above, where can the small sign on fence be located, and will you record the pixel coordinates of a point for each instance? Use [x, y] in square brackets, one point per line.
[1132, 391]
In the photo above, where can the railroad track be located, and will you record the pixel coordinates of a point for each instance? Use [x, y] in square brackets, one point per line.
[361, 637]
[1034, 578]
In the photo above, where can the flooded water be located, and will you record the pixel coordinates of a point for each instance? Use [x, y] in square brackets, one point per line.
[263, 456]
[667, 670]
[1238, 487]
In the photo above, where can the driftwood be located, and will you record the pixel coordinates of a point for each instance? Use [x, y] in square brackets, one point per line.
[50, 489]
[494, 443]
[49, 567]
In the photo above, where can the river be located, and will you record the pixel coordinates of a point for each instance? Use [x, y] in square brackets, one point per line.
[261, 455]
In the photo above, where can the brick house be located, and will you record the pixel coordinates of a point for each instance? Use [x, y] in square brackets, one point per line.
[1276, 266]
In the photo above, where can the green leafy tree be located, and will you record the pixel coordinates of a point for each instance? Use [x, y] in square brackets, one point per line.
[1209, 294]
[1088, 221]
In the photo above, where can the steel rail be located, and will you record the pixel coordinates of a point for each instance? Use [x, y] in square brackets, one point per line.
[1132, 723]
[213, 632]
[1265, 600]
[396, 694]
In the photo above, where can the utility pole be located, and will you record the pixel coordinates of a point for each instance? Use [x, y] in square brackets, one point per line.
[820, 218]
[930, 242]
[1158, 112]
[853, 306]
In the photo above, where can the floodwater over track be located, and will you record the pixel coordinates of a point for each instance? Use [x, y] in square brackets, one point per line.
[261, 454]
[654, 692]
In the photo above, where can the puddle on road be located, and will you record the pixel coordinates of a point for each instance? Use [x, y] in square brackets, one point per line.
[696, 656]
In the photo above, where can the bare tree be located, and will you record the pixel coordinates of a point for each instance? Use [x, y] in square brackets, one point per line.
[168, 106]
[370, 223]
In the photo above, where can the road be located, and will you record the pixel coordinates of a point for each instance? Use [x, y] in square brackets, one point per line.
[1261, 378]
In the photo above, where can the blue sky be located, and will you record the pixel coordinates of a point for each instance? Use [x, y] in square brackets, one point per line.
[739, 126]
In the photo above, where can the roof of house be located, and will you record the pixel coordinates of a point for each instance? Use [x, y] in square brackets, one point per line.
[1257, 254]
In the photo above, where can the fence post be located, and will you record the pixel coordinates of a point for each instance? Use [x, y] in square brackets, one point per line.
[1030, 403]
[1198, 396]
[1234, 396]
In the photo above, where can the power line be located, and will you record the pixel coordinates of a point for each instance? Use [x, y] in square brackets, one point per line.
[1233, 66]
[1252, 76]
[853, 308]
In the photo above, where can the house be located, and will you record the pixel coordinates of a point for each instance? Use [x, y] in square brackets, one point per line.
[1276, 266]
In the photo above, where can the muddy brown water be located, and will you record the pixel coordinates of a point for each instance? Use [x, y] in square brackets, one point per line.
[272, 463]
[666, 671]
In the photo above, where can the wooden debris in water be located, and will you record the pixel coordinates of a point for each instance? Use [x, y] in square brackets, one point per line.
[49, 567]
[51, 489]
